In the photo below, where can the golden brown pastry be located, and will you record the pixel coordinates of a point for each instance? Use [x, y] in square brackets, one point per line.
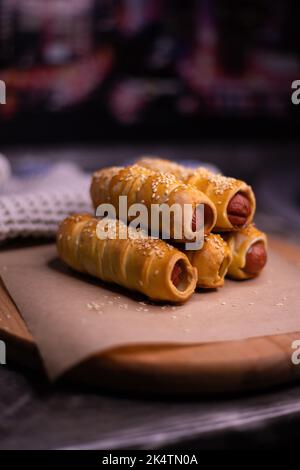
[249, 252]
[234, 199]
[165, 166]
[137, 262]
[148, 187]
[211, 262]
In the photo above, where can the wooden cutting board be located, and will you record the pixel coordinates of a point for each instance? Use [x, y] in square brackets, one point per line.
[205, 369]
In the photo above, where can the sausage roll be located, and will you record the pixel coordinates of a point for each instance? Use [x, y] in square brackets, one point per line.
[135, 261]
[148, 187]
[249, 252]
[234, 199]
[211, 262]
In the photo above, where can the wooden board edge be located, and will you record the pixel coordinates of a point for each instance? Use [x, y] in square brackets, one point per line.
[235, 366]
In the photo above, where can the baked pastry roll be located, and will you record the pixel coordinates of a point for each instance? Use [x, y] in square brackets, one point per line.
[234, 199]
[165, 166]
[249, 252]
[137, 262]
[147, 187]
[211, 262]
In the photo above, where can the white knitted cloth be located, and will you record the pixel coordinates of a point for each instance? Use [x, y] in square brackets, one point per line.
[35, 206]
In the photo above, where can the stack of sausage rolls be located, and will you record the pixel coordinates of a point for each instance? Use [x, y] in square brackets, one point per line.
[165, 271]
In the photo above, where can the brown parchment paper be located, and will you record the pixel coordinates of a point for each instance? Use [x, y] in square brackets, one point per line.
[72, 316]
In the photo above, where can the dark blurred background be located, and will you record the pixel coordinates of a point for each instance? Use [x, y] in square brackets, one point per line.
[101, 81]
